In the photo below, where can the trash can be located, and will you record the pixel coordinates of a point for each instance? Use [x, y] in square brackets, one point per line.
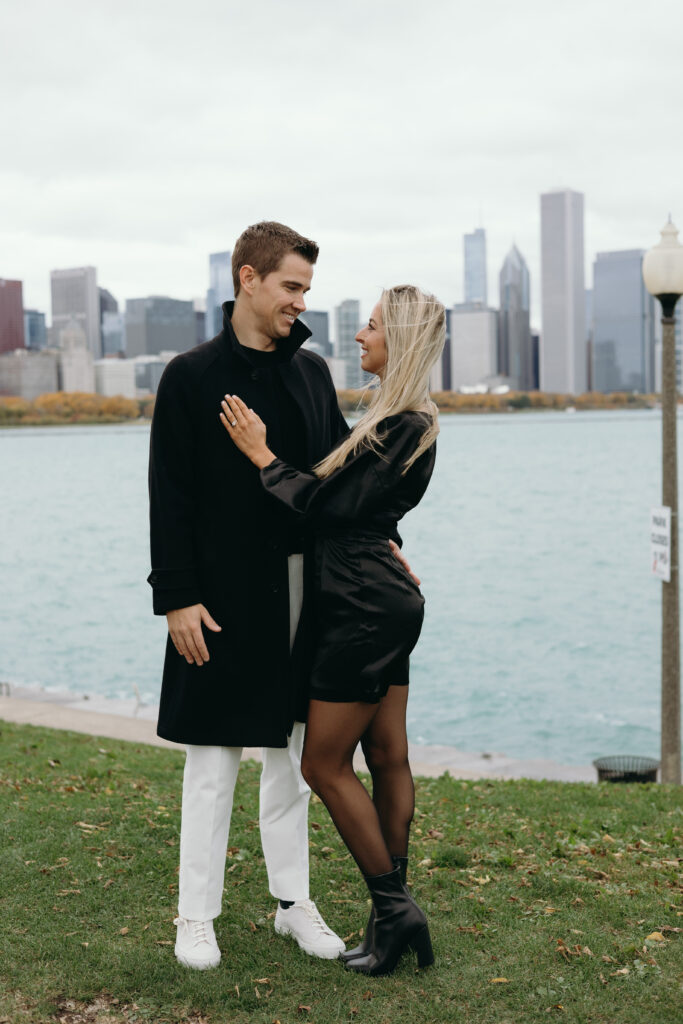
[626, 768]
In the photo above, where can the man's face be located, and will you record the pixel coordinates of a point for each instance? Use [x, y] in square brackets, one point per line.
[278, 298]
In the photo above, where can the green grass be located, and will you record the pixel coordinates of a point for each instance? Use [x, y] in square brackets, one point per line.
[554, 887]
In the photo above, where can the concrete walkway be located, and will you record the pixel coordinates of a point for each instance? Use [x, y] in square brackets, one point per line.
[136, 722]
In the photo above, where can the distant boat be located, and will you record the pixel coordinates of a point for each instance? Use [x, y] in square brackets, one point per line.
[570, 408]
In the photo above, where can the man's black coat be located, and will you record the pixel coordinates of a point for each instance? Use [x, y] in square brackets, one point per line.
[218, 539]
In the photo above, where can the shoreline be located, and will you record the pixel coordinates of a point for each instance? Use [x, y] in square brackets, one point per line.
[135, 722]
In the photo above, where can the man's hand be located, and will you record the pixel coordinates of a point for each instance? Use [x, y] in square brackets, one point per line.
[396, 551]
[185, 627]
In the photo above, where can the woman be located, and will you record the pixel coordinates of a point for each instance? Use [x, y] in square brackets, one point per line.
[368, 610]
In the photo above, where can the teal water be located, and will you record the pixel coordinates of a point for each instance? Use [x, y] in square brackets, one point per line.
[542, 627]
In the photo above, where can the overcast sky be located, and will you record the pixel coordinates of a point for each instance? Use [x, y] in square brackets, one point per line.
[138, 137]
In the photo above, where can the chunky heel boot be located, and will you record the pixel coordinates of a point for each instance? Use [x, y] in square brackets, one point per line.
[364, 948]
[422, 944]
[399, 924]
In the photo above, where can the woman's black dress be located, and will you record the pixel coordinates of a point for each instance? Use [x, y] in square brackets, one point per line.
[368, 611]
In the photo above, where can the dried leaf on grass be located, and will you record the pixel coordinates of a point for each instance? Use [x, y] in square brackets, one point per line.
[567, 952]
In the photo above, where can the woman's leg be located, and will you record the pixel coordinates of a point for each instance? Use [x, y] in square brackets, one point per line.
[385, 746]
[332, 735]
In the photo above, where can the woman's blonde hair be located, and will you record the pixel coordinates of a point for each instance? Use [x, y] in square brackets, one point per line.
[415, 330]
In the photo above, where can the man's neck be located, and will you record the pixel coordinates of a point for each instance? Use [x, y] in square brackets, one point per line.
[247, 330]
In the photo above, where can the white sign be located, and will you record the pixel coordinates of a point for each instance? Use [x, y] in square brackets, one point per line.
[660, 542]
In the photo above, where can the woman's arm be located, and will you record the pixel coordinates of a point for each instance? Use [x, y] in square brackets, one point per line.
[350, 493]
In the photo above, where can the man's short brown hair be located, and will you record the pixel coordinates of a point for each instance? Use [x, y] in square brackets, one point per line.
[263, 247]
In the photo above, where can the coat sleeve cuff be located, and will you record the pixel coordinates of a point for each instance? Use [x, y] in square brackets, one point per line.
[173, 588]
[164, 601]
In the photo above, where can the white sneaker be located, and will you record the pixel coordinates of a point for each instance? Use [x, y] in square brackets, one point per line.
[195, 944]
[303, 921]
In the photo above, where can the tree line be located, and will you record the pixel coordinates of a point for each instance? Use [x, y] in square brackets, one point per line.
[82, 407]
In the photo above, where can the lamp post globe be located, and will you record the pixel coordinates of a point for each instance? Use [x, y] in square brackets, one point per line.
[663, 277]
[663, 269]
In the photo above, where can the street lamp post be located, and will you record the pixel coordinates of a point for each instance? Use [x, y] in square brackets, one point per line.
[663, 276]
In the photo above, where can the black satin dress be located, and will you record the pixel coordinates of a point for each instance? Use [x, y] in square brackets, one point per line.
[367, 610]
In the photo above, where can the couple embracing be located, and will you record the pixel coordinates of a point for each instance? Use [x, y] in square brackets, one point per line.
[275, 559]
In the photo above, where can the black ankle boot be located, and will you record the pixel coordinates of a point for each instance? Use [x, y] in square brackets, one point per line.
[364, 948]
[399, 923]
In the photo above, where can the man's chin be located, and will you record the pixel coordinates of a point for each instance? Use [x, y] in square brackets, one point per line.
[283, 328]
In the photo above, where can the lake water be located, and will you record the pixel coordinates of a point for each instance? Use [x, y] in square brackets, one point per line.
[542, 627]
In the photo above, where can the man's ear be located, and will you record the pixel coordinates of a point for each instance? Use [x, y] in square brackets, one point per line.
[248, 278]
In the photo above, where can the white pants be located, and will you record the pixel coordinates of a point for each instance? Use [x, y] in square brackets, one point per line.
[208, 788]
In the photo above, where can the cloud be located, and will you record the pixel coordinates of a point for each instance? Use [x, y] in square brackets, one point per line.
[143, 136]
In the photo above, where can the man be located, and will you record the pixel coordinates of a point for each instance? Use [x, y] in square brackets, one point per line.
[227, 571]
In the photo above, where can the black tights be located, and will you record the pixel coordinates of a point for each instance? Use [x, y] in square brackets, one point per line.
[376, 829]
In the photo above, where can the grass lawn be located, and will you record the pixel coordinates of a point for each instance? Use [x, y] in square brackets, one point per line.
[545, 900]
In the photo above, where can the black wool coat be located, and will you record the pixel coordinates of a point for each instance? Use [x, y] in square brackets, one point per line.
[217, 538]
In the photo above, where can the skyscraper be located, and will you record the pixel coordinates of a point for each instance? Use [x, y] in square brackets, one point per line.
[474, 344]
[76, 299]
[318, 324]
[76, 364]
[515, 358]
[475, 266]
[108, 303]
[113, 334]
[11, 315]
[563, 334]
[35, 334]
[158, 324]
[623, 324]
[347, 322]
[220, 290]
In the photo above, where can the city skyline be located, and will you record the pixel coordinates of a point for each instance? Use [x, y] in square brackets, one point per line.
[475, 124]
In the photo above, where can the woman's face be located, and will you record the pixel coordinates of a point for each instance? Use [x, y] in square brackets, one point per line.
[373, 349]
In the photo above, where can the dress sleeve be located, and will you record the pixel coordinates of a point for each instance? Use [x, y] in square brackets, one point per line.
[356, 488]
[172, 490]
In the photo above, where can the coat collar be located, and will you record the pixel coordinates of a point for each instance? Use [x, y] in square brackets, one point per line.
[286, 347]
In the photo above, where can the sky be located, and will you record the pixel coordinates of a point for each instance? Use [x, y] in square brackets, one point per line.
[138, 137]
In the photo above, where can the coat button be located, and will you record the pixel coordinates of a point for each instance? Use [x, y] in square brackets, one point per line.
[254, 375]
[275, 588]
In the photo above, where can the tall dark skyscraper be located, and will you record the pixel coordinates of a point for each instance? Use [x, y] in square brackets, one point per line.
[11, 315]
[515, 357]
[623, 324]
[475, 266]
[35, 333]
[318, 324]
[158, 324]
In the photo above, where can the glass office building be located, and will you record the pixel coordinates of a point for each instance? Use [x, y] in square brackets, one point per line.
[515, 357]
[347, 323]
[623, 324]
[220, 290]
[318, 323]
[158, 324]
